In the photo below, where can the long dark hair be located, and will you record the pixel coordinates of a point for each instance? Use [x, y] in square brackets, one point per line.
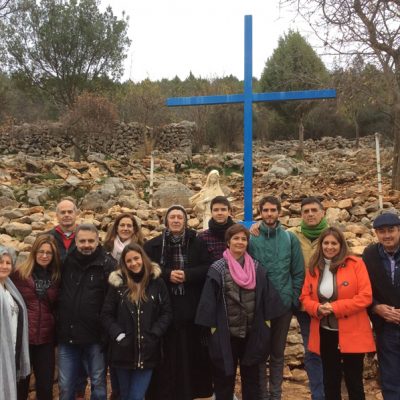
[317, 260]
[137, 291]
[112, 232]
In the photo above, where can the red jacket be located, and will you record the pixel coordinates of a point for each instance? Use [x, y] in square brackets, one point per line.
[354, 295]
[41, 320]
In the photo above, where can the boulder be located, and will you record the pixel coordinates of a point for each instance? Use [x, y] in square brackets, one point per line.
[73, 180]
[332, 215]
[37, 196]
[94, 201]
[7, 202]
[18, 229]
[6, 191]
[346, 203]
[172, 192]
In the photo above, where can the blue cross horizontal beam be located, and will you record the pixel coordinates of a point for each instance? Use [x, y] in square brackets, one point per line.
[248, 98]
[256, 97]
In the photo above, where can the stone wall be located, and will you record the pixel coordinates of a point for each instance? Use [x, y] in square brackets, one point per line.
[48, 139]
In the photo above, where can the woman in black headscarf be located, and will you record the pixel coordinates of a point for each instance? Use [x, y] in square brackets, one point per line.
[184, 373]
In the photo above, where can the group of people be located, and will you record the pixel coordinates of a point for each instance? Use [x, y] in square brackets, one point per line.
[172, 317]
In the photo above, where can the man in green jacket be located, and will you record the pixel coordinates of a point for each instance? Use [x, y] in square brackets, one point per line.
[280, 254]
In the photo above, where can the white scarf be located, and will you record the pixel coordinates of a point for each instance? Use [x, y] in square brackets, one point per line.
[118, 247]
[8, 374]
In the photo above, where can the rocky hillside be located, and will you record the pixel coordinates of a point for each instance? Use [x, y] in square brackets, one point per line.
[343, 177]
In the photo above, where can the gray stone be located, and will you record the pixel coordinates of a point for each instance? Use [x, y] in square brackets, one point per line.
[332, 215]
[344, 215]
[7, 202]
[172, 192]
[73, 180]
[96, 156]
[12, 214]
[37, 196]
[235, 163]
[93, 201]
[116, 182]
[358, 211]
[345, 176]
[107, 190]
[278, 172]
[6, 191]
[19, 230]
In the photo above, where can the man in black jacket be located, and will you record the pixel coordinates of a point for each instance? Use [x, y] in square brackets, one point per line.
[84, 283]
[383, 264]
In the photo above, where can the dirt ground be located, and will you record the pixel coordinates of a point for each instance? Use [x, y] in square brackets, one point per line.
[291, 391]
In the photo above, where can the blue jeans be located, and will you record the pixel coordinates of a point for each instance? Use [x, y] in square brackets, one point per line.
[70, 357]
[133, 383]
[312, 361]
[388, 348]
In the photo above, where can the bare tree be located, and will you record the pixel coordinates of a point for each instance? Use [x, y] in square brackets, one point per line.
[92, 116]
[369, 28]
[4, 7]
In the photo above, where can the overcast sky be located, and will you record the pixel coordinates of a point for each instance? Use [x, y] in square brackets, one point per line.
[174, 37]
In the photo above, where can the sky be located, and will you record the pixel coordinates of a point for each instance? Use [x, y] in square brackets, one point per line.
[206, 37]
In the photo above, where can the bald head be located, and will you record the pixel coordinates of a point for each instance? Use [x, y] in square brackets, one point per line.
[67, 213]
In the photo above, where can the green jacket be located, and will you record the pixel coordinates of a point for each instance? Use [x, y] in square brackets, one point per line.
[279, 252]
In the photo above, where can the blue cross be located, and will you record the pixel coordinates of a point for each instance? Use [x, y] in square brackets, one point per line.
[248, 98]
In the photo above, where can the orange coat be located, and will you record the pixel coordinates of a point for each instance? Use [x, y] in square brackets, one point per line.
[354, 295]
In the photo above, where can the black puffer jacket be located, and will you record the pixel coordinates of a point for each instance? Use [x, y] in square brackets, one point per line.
[212, 313]
[144, 323]
[84, 284]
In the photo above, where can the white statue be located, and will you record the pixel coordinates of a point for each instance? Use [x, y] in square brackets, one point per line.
[201, 200]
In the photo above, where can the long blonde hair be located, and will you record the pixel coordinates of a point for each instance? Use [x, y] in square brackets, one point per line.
[25, 269]
[137, 291]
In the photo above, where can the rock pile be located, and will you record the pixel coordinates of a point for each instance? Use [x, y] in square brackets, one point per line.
[342, 176]
[50, 139]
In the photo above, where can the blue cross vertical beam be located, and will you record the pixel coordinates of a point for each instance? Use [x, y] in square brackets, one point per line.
[248, 98]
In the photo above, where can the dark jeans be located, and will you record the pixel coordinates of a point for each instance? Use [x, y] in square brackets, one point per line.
[312, 361]
[224, 386]
[335, 364]
[279, 331]
[70, 358]
[82, 381]
[133, 383]
[388, 348]
[43, 363]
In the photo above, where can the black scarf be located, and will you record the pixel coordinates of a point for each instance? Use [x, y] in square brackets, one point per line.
[84, 259]
[220, 229]
[42, 280]
[137, 276]
[174, 255]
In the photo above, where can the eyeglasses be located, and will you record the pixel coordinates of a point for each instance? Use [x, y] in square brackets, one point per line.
[45, 253]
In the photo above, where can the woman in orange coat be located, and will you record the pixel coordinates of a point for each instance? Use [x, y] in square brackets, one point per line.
[336, 294]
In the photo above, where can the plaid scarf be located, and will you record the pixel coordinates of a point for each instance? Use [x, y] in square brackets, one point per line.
[174, 255]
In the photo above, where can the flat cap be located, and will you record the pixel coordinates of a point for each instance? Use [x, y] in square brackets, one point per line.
[387, 219]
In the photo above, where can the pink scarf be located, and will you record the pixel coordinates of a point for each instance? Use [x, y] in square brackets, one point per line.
[245, 277]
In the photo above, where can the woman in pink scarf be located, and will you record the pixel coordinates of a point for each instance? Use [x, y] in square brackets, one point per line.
[237, 303]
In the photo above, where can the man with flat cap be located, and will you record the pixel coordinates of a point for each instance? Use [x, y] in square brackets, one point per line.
[383, 263]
